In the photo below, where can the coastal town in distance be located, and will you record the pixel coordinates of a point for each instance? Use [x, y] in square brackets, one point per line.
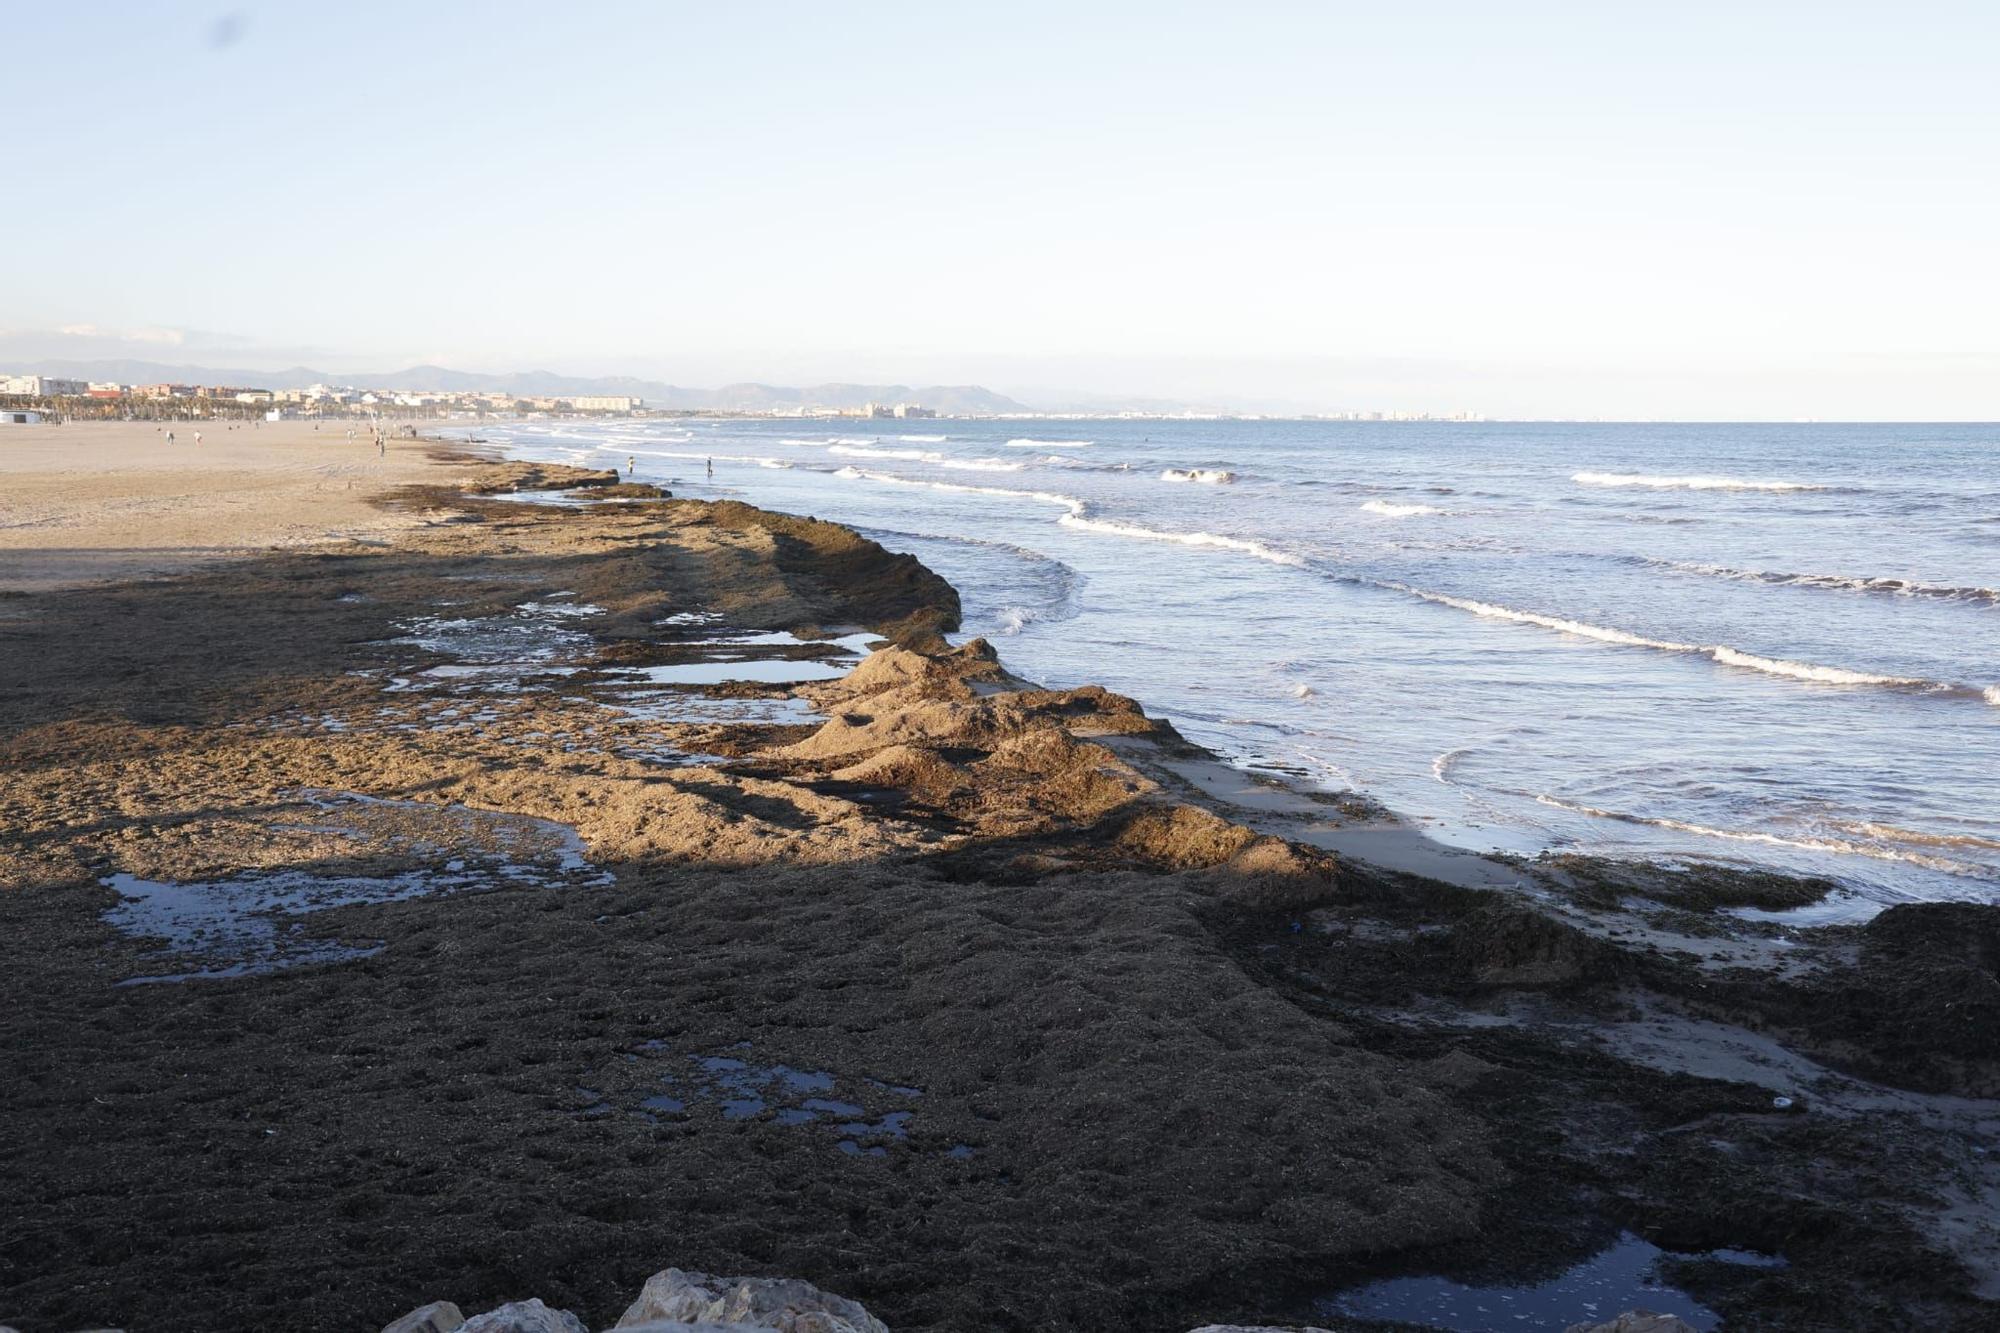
[26, 397]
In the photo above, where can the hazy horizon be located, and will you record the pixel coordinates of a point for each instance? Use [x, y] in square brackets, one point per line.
[1557, 211]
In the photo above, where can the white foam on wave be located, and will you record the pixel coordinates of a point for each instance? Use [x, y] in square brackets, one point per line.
[1893, 587]
[1840, 845]
[1722, 653]
[1076, 519]
[1025, 443]
[929, 456]
[1896, 833]
[1698, 483]
[980, 464]
[924, 439]
[1389, 509]
[1073, 505]
[777, 463]
[1206, 476]
[871, 451]
[1778, 666]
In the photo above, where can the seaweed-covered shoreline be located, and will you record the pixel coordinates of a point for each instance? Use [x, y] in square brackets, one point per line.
[1114, 1041]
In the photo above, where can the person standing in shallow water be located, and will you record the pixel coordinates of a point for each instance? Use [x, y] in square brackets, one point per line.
[711, 467]
[631, 465]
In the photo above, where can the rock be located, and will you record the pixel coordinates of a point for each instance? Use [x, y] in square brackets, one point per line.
[1636, 1321]
[524, 1317]
[676, 1326]
[784, 1304]
[437, 1317]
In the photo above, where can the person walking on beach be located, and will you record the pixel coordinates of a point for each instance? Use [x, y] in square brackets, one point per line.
[711, 467]
[197, 437]
[170, 437]
[631, 465]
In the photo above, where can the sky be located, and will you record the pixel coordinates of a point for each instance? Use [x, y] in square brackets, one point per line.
[1759, 210]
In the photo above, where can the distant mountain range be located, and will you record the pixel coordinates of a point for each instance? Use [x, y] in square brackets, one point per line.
[956, 399]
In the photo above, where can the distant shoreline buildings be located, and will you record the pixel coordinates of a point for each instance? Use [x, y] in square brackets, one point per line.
[58, 398]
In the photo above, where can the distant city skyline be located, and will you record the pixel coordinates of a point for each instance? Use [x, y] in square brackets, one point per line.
[1551, 210]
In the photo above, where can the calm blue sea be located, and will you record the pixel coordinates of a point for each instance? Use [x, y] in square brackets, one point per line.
[1768, 644]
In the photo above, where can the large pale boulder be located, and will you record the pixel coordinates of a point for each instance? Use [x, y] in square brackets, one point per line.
[785, 1305]
[524, 1317]
[1636, 1321]
[437, 1317]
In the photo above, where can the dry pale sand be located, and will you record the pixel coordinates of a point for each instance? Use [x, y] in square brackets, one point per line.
[90, 502]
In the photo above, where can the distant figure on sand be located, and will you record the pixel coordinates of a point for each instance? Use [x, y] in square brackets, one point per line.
[631, 465]
[197, 437]
[170, 437]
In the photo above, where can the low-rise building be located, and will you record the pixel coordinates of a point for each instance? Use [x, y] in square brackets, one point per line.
[603, 402]
[41, 386]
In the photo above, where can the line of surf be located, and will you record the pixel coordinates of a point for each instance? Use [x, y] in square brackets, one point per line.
[1650, 481]
[1076, 514]
[1843, 846]
[1880, 585]
[1721, 653]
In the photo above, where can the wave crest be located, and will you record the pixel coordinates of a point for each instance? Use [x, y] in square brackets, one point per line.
[1207, 476]
[1389, 509]
[1076, 519]
[1892, 587]
[1698, 483]
[1717, 652]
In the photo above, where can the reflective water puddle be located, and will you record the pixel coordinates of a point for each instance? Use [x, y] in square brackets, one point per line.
[1624, 1277]
[864, 1117]
[250, 923]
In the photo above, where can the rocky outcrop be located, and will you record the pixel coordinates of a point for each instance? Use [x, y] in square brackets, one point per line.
[672, 1299]
[529, 1316]
[437, 1317]
[1636, 1321]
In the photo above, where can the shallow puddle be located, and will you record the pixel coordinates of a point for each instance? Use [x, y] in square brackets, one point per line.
[249, 923]
[1624, 1277]
[863, 1117]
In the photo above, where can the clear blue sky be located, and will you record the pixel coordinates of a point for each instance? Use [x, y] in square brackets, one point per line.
[1691, 209]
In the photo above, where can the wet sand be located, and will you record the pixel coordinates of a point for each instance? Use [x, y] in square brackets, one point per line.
[532, 971]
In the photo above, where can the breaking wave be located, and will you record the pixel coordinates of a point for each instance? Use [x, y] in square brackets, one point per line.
[926, 456]
[1892, 587]
[1688, 483]
[1025, 443]
[1076, 519]
[924, 439]
[1073, 505]
[872, 451]
[720, 458]
[1390, 510]
[1207, 476]
[1840, 845]
[1722, 653]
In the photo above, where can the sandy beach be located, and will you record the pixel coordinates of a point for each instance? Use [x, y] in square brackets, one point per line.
[409, 892]
[92, 501]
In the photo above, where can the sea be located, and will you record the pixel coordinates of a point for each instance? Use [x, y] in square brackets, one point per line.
[1772, 645]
